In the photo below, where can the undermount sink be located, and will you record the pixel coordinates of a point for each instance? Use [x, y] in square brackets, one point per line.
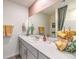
[39, 38]
[33, 38]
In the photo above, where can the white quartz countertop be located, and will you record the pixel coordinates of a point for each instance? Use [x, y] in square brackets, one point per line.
[48, 49]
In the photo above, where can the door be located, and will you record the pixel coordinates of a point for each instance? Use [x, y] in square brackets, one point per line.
[23, 52]
[30, 55]
[42, 56]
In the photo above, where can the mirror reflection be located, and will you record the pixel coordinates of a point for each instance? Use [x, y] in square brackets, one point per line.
[44, 22]
[54, 18]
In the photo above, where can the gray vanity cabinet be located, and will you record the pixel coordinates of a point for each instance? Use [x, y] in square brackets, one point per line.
[30, 55]
[26, 51]
[23, 51]
[29, 52]
[26, 54]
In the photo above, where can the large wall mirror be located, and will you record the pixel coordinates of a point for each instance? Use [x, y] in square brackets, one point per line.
[47, 19]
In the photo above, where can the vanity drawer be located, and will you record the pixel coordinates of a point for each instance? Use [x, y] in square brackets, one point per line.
[29, 47]
[42, 56]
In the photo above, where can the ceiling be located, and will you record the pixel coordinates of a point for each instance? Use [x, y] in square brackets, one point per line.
[26, 3]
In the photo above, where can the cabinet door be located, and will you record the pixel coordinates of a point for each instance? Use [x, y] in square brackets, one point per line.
[30, 55]
[20, 48]
[23, 52]
[41, 56]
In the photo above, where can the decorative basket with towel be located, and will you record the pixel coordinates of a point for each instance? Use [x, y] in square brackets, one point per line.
[65, 41]
[7, 30]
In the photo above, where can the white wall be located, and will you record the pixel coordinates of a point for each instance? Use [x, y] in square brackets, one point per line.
[16, 15]
[70, 20]
[39, 20]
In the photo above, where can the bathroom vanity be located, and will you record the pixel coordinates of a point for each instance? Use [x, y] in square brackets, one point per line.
[32, 48]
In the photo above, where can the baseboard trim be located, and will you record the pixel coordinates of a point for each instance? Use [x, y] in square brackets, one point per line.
[12, 55]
